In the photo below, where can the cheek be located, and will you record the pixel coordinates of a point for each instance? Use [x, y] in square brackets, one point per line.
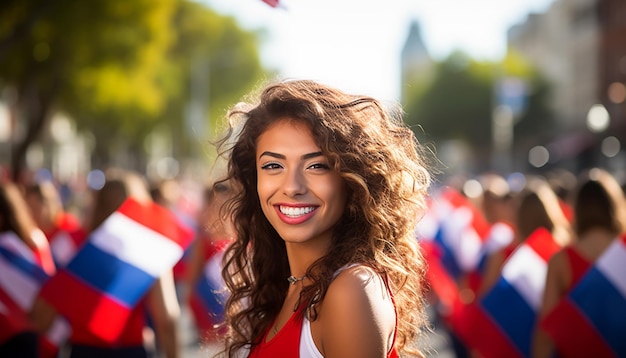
[335, 190]
[264, 192]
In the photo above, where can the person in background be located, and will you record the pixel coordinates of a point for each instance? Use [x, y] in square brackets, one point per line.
[206, 291]
[499, 205]
[160, 303]
[168, 193]
[62, 229]
[538, 207]
[599, 217]
[15, 218]
[563, 182]
[325, 262]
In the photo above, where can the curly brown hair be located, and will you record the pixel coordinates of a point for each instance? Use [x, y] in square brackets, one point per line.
[387, 178]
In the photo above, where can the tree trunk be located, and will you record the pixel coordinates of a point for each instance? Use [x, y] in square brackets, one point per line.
[35, 104]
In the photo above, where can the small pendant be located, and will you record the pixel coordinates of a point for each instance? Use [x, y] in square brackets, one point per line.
[292, 279]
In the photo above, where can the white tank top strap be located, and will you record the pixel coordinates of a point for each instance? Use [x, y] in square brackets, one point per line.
[308, 349]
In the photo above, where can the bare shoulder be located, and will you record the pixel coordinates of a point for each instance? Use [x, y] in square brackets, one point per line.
[357, 315]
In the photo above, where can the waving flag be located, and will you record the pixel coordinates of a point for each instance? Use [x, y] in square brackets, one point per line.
[65, 244]
[209, 295]
[458, 228]
[591, 320]
[117, 265]
[452, 236]
[21, 279]
[504, 319]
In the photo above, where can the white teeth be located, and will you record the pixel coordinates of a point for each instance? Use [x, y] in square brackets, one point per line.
[293, 212]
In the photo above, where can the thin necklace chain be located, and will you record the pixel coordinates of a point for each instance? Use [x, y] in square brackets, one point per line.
[293, 279]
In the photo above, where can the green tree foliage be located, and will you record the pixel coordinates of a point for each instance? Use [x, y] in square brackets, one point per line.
[119, 68]
[458, 103]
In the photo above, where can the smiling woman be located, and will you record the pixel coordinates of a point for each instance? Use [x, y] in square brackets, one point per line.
[325, 263]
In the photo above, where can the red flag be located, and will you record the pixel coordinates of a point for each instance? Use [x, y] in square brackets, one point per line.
[272, 3]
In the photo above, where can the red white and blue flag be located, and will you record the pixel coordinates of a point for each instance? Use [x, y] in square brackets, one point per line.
[115, 268]
[22, 277]
[210, 294]
[501, 323]
[457, 228]
[591, 320]
[65, 244]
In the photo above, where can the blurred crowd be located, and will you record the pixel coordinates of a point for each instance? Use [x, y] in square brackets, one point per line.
[528, 265]
[65, 252]
[522, 265]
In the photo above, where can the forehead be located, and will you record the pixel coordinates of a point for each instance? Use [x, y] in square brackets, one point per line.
[287, 133]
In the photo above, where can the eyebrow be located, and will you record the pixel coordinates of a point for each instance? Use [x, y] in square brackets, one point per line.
[281, 156]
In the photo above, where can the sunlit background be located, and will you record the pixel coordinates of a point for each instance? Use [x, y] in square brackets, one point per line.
[514, 87]
[508, 86]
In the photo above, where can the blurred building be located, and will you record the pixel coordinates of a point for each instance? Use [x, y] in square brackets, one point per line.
[578, 45]
[416, 64]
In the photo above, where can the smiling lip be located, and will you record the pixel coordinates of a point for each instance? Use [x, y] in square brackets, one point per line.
[295, 214]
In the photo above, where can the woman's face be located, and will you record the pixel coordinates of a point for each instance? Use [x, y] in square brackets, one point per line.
[301, 196]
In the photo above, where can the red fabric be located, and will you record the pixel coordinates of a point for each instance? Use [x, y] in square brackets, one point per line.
[442, 284]
[13, 319]
[285, 344]
[578, 265]
[474, 327]
[567, 210]
[272, 3]
[89, 309]
[131, 336]
[64, 222]
[573, 334]
[479, 222]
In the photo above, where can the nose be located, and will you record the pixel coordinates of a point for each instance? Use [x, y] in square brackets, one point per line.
[294, 183]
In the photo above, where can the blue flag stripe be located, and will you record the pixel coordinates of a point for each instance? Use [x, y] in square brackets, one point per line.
[110, 275]
[448, 258]
[604, 306]
[212, 297]
[28, 268]
[512, 314]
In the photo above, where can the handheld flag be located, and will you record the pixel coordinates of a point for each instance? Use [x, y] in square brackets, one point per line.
[508, 311]
[591, 319]
[21, 279]
[117, 265]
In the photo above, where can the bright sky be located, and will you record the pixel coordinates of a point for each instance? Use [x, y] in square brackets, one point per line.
[355, 45]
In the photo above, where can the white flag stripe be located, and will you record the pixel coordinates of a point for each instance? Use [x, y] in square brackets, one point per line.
[526, 271]
[427, 227]
[461, 237]
[10, 241]
[469, 249]
[499, 236]
[136, 244]
[612, 264]
[18, 285]
[59, 332]
[63, 248]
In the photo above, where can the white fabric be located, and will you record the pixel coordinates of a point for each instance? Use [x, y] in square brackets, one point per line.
[308, 349]
[307, 346]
